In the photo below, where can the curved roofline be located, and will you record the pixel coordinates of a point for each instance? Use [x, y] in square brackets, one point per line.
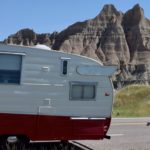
[56, 51]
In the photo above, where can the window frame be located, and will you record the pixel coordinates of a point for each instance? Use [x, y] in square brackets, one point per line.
[83, 84]
[20, 69]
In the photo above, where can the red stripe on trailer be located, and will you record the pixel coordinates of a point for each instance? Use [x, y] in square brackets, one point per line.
[45, 127]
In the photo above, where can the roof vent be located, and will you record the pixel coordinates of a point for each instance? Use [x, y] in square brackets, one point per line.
[41, 46]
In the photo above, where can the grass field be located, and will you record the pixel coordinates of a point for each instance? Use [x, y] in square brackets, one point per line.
[132, 101]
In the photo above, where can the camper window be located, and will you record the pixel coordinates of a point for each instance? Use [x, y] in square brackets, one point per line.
[10, 68]
[65, 62]
[82, 91]
[64, 67]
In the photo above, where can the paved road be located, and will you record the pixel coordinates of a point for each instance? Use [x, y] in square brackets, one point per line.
[126, 134]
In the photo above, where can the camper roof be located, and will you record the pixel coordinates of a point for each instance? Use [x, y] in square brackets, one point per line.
[38, 46]
[46, 48]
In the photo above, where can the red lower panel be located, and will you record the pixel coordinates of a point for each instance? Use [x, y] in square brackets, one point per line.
[52, 127]
[14, 124]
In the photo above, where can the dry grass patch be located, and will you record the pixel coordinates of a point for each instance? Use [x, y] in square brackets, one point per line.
[132, 101]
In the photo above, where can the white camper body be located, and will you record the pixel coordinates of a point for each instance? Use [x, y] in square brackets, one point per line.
[37, 81]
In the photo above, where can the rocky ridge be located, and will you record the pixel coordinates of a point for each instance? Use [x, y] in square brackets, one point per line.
[111, 37]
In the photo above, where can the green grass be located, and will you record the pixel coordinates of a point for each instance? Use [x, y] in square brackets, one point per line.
[132, 101]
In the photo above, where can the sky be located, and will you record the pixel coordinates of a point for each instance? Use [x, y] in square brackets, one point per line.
[47, 16]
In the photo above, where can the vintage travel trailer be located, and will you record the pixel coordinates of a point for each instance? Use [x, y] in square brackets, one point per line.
[52, 95]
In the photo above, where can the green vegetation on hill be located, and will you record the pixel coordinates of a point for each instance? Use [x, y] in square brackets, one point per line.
[132, 101]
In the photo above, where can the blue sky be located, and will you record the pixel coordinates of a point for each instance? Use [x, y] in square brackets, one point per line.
[54, 15]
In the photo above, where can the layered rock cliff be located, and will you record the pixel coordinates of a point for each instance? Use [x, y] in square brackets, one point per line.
[29, 38]
[137, 32]
[111, 37]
